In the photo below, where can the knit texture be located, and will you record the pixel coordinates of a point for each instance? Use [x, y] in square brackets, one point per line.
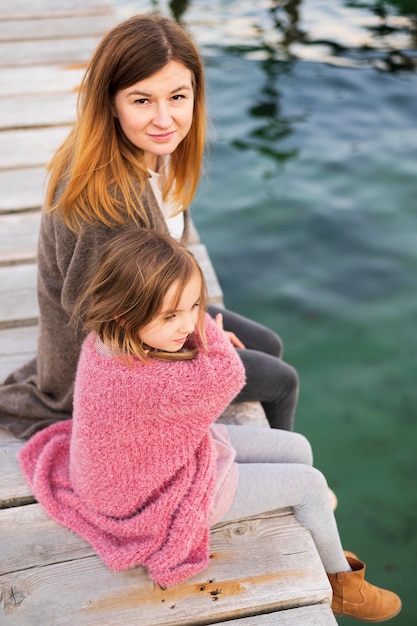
[133, 473]
[41, 392]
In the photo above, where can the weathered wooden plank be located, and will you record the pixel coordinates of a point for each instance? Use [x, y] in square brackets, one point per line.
[14, 490]
[213, 286]
[257, 565]
[20, 190]
[32, 527]
[316, 615]
[30, 147]
[28, 537]
[245, 414]
[17, 347]
[47, 51]
[53, 109]
[56, 27]
[43, 79]
[35, 9]
[18, 301]
[18, 239]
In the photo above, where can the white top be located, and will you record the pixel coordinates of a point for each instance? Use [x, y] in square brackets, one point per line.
[175, 223]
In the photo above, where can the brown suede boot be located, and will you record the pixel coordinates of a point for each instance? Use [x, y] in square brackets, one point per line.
[354, 597]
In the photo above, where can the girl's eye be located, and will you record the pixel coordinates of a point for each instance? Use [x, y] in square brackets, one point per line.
[170, 317]
[141, 101]
[178, 97]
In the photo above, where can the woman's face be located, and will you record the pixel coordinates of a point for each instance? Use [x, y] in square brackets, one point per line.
[156, 113]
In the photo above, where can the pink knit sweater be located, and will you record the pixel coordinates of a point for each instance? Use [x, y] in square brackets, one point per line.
[133, 473]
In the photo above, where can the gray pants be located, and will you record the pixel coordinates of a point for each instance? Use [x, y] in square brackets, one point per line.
[269, 379]
[275, 471]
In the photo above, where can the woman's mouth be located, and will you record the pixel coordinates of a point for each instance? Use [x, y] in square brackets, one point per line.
[162, 138]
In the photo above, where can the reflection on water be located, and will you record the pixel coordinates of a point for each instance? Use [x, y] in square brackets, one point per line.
[271, 126]
[177, 8]
[354, 33]
[309, 214]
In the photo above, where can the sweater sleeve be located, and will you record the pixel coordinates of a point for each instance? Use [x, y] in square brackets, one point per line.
[203, 387]
[185, 394]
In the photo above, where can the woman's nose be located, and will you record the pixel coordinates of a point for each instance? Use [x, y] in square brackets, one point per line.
[162, 117]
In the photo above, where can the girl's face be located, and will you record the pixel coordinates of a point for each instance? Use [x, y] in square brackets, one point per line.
[170, 329]
[156, 113]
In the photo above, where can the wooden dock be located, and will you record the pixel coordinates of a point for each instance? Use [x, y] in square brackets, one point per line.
[264, 571]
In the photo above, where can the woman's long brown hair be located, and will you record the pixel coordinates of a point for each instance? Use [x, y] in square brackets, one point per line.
[97, 173]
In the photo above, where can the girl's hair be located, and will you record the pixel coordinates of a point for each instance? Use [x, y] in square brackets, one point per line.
[98, 171]
[125, 288]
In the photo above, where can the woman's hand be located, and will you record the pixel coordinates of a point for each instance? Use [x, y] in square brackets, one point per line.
[235, 341]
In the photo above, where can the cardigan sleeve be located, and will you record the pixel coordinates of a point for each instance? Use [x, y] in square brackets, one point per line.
[203, 387]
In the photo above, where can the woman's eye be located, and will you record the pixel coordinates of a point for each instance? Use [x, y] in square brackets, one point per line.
[141, 101]
[178, 97]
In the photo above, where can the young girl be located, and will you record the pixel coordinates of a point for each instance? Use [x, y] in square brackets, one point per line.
[132, 160]
[142, 471]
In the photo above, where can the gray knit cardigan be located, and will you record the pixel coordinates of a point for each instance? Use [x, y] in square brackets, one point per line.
[41, 392]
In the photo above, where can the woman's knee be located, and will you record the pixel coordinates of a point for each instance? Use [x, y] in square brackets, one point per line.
[267, 370]
[291, 377]
[255, 336]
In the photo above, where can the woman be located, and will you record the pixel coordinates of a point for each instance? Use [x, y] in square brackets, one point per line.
[132, 160]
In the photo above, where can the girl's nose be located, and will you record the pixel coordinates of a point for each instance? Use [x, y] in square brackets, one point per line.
[187, 324]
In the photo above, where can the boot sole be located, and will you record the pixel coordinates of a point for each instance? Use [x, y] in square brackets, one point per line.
[363, 619]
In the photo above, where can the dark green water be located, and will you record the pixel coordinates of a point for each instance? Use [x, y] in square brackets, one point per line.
[309, 213]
